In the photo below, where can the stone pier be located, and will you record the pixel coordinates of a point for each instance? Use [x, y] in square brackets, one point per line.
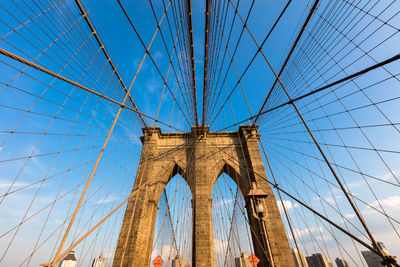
[200, 157]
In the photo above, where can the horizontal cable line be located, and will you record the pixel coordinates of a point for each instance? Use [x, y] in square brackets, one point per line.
[288, 57]
[50, 116]
[36, 79]
[387, 61]
[337, 145]
[33, 65]
[40, 210]
[60, 197]
[133, 193]
[320, 215]
[47, 133]
[53, 153]
[149, 54]
[374, 17]
[352, 109]
[336, 186]
[50, 177]
[97, 37]
[277, 187]
[337, 165]
[56, 103]
[31, 19]
[330, 102]
[314, 190]
[342, 57]
[104, 183]
[271, 132]
[49, 204]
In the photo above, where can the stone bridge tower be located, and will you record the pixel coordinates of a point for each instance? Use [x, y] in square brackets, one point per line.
[200, 157]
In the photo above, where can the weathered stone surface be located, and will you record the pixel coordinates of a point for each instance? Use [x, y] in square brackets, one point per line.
[200, 157]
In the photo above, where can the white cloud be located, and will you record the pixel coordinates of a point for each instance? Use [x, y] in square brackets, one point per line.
[350, 215]
[6, 184]
[389, 176]
[288, 205]
[308, 231]
[312, 233]
[390, 204]
[158, 55]
[107, 199]
[220, 246]
[224, 202]
[152, 85]
[330, 200]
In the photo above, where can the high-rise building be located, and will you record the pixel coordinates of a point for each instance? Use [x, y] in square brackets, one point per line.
[242, 261]
[69, 260]
[100, 262]
[341, 263]
[382, 247]
[179, 261]
[372, 259]
[318, 260]
[299, 258]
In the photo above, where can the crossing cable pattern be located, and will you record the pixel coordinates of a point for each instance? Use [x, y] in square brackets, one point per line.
[319, 79]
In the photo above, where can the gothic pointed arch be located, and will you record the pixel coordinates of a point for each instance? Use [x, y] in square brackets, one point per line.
[237, 174]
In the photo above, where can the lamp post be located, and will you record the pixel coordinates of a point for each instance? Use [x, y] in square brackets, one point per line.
[256, 198]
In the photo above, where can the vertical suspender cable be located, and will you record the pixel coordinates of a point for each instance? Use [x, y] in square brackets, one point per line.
[206, 41]
[190, 25]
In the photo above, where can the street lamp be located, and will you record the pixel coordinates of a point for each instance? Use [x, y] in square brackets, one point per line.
[257, 198]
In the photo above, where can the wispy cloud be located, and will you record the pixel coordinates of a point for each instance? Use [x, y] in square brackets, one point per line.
[330, 200]
[107, 199]
[288, 205]
[224, 202]
[390, 176]
[7, 184]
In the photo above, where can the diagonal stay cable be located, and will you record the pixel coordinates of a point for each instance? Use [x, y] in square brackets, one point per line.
[149, 54]
[205, 69]
[47, 71]
[351, 76]
[256, 53]
[97, 37]
[190, 26]
[300, 34]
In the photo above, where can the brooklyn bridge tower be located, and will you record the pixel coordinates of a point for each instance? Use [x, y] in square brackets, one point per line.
[156, 132]
[200, 157]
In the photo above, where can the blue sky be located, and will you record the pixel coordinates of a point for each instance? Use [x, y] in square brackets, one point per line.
[356, 122]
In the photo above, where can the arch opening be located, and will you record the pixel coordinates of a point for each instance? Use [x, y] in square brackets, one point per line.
[231, 231]
[172, 239]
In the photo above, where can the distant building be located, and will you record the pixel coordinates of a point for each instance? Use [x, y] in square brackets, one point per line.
[373, 259]
[179, 261]
[299, 258]
[242, 261]
[318, 260]
[341, 263]
[100, 262]
[383, 248]
[69, 260]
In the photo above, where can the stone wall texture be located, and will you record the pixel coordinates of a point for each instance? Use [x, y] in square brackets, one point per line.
[200, 157]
